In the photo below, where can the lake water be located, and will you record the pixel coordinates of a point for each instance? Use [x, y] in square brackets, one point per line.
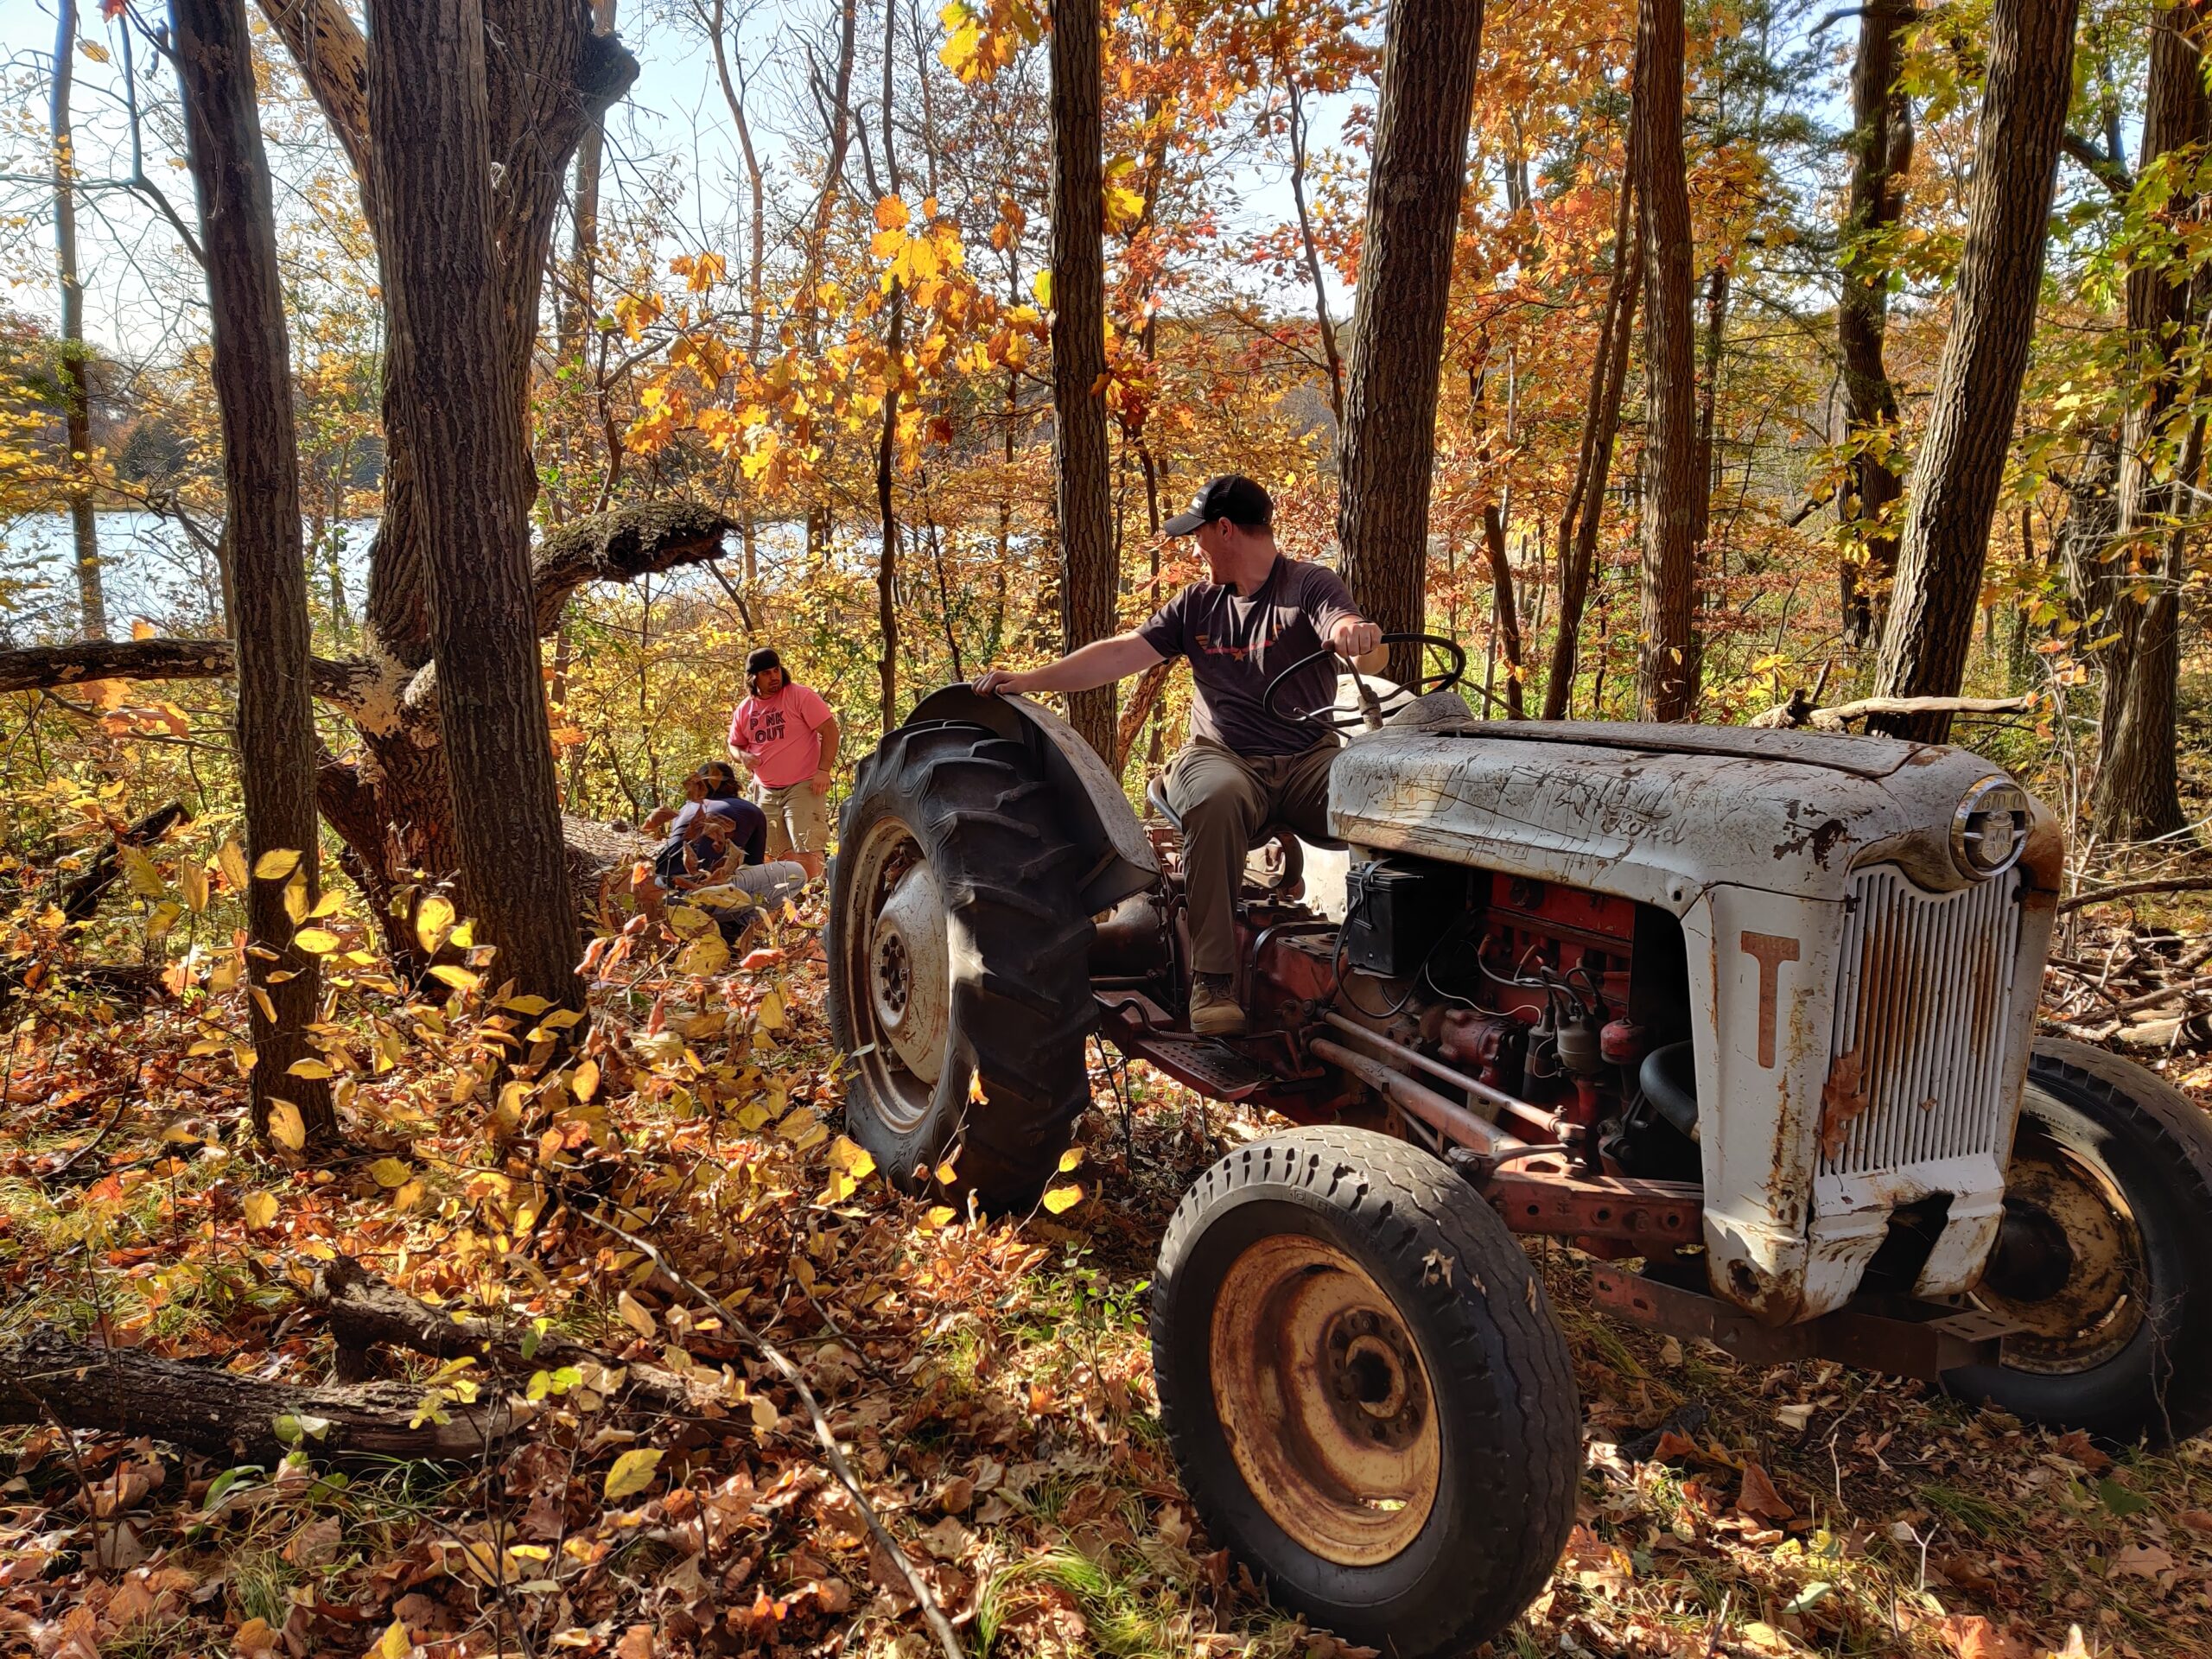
[151, 569]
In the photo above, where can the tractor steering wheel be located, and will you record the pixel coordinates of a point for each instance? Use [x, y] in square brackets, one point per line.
[1372, 710]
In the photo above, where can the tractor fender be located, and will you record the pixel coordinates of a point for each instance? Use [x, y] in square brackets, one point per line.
[1098, 816]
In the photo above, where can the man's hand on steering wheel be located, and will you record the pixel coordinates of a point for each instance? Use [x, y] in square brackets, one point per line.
[1354, 637]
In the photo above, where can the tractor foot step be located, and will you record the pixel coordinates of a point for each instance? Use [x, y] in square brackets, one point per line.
[1204, 1064]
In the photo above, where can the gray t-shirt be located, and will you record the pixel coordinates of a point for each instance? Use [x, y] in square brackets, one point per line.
[1236, 645]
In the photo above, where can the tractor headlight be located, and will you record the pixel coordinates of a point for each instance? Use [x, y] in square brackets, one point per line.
[1989, 828]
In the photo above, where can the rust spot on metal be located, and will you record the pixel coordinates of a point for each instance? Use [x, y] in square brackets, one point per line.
[1770, 951]
[1843, 1102]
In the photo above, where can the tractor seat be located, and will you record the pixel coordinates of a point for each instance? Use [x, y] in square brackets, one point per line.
[1155, 796]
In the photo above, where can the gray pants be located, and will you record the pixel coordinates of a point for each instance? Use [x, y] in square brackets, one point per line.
[1224, 798]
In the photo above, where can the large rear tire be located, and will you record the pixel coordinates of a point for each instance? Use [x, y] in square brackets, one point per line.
[958, 964]
[1365, 1388]
[2106, 1258]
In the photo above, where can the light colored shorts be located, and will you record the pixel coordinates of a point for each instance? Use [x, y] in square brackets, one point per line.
[799, 820]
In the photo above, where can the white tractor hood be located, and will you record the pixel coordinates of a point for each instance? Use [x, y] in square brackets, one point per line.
[1656, 812]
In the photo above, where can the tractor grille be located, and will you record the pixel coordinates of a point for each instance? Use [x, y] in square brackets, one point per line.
[1925, 1009]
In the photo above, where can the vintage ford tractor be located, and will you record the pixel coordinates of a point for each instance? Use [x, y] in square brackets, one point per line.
[1747, 1016]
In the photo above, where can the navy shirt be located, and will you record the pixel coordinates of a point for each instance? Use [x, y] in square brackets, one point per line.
[748, 824]
[1236, 644]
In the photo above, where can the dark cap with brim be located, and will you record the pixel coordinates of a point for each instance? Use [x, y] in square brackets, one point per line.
[1232, 496]
[762, 660]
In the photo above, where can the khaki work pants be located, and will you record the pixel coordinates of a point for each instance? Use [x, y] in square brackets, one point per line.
[1223, 799]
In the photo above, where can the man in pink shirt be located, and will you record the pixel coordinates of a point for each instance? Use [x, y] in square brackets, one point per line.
[788, 736]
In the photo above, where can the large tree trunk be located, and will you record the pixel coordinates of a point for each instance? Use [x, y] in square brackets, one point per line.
[1961, 459]
[1386, 447]
[1881, 155]
[1667, 671]
[2137, 794]
[76, 389]
[1082, 494]
[453, 364]
[269, 606]
[1585, 501]
[549, 79]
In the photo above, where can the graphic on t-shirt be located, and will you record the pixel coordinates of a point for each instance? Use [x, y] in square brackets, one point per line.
[766, 726]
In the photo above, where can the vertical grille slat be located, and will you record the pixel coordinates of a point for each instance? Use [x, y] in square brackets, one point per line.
[1924, 998]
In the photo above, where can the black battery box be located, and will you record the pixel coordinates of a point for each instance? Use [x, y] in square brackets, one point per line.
[1395, 911]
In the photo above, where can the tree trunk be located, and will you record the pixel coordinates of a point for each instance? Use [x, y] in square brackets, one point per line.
[1667, 671]
[1311, 249]
[756, 223]
[76, 389]
[1881, 155]
[2137, 794]
[1083, 493]
[1506, 614]
[1386, 447]
[886, 448]
[451, 360]
[1961, 459]
[578, 307]
[252, 367]
[1586, 502]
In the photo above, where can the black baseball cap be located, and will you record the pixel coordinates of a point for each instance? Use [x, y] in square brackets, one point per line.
[762, 660]
[1232, 496]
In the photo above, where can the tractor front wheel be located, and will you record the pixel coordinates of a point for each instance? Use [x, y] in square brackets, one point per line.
[2105, 1260]
[1369, 1400]
[959, 985]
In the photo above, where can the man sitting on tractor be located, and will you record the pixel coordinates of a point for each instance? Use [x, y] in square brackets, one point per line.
[1243, 767]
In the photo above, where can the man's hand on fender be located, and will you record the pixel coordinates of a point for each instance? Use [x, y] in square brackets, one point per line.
[1000, 682]
[1355, 638]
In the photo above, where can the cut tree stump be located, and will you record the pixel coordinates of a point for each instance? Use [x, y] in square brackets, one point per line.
[46, 1377]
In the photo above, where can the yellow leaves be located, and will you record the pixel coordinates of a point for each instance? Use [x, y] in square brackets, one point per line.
[1060, 1199]
[636, 312]
[229, 859]
[140, 872]
[259, 1210]
[632, 1473]
[286, 1127]
[770, 1015]
[274, 865]
[703, 355]
[460, 978]
[986, 35]
[395, 1642]
[850, 1164]
[193, 879]
[705, 955]
[891, 214]
[297, 901]
[583, 1083]
[317, 941]
[433, 920]
[635, 1314]
[1040, 285]
[390, 1174]
[701, 272]
[314, 1070]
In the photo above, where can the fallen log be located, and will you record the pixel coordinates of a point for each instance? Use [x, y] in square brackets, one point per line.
[46, 1377]
[1799, 711]
[362, 1309]
[82, 896]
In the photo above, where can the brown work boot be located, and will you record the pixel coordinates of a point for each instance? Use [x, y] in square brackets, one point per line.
[1215, 1011]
